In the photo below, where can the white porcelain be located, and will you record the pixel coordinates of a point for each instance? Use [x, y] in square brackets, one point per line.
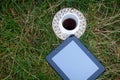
[64, 14]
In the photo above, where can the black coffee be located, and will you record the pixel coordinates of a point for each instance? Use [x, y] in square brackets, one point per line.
[69, 24]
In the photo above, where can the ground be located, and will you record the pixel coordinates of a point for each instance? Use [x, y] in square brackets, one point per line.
[26, 36]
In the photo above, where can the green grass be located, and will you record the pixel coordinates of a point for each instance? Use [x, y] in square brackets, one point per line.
[26, 36]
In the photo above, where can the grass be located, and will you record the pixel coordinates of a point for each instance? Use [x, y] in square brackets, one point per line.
[26, 36]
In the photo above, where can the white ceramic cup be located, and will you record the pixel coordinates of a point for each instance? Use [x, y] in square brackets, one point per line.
[69, 21]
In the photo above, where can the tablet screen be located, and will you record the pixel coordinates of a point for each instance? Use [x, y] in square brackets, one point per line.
[73, 61]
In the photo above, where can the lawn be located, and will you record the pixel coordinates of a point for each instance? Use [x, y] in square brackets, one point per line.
[26, 36]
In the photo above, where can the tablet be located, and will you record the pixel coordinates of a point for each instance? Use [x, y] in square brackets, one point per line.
[73, 61]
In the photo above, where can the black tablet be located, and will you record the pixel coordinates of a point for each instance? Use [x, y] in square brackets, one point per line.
[73, 61]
